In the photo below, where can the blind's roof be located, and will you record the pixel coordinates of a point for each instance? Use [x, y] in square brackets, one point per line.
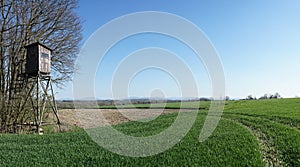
[38, 43]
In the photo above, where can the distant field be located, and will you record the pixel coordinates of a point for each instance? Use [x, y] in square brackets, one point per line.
[250, 133]
[171, 105]
[136, 104]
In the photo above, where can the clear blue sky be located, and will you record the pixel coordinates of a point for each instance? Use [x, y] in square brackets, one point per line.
[258, 42]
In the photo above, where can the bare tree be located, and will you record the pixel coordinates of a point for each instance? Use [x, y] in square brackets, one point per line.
[53, 23]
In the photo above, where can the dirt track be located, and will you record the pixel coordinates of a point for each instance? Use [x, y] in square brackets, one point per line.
[89, 118]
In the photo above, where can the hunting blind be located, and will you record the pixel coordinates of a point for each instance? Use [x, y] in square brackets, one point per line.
[37, 77]
[38, 60]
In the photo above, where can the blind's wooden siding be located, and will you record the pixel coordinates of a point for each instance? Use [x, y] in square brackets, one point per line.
[38, 59]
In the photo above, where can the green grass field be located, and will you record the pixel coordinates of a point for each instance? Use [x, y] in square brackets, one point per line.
[250, 133]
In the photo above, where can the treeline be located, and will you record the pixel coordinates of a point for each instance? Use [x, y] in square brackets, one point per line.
[265, 96]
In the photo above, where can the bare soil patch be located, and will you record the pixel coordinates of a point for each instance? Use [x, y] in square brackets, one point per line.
[90, 118]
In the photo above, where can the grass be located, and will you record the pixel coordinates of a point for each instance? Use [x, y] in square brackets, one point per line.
[278, 120]
[65, 149]
[250, 133]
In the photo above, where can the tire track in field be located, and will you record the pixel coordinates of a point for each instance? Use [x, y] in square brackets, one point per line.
[277, 119]
[285, 137]
[271, 156]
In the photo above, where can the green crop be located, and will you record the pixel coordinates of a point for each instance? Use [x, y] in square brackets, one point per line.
[250, 133]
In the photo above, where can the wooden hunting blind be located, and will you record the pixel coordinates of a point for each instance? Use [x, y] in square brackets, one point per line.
[38, 80]
[38, 60]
